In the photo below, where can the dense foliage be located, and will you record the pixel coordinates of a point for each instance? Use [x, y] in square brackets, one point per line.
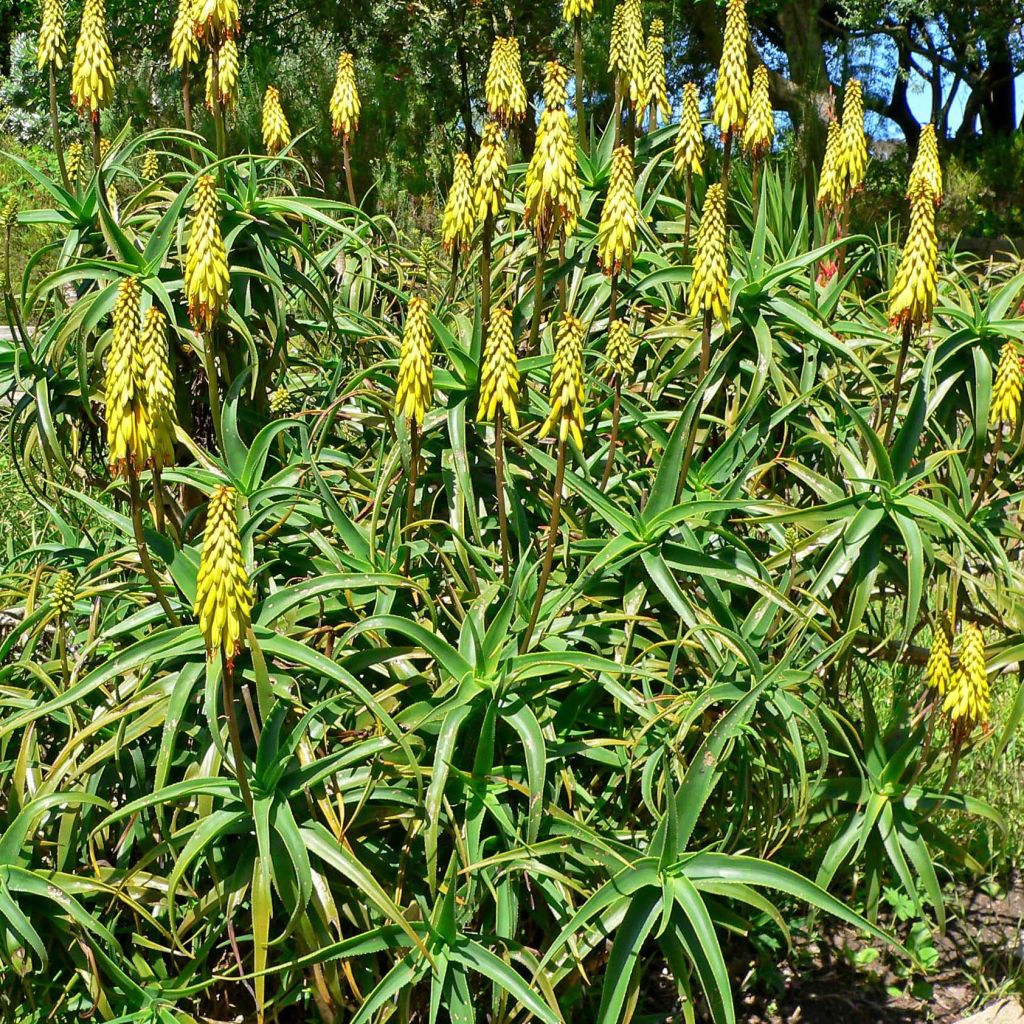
[479, 630]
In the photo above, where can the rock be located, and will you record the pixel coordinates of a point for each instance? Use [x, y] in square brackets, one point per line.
[1006, 1011]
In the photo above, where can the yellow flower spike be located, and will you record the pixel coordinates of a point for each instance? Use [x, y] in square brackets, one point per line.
[573, 9]
[566, 395]
[967, 700]
[92, 73]
[915, 288]
[490, 171]
[207, 281]
[415, 390]
[688, 151]
[9, 214]
[854, 147]
[129, 437]
[552, 196]
[150, 165]
[459, 218]
[184, 42]
[105, 146]
[830, 183]
[51, 48]
[621, 351]
[504, 89]
[732, 88]
[499, 371]
[281, 401]
[760, 129]
[224, 598]
[276, 132]
[345, 99]
[616, 234]
[215, 20]
[63, 598]
[73, 161]
[158, 389]
[926, 174]
[227, 75]
[1007, 390]
[939, 671]
[709, 290]
[627, 58]
[656, 91]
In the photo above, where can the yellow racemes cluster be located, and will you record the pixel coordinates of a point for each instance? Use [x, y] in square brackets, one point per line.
[732, 88]
[150, 165]
[345, 99]
[51, 48]
[459, 218]
[92, 72]
[499, 371]
[227, 76]
[760, 128]
[415, 389]
[490, 170]
[939, 669]
[688, 151]
[567, 393]
[184, 41]
[207, 281]
[215, 20]
[224, 597]
[968, 700]
[276, 131]
[9, 214]
[926, 173]
[830, 184]
[627, 58]
[573, 9]
[63, 597]
[1006, 391]
[552, 196]
[281, 401]
[158, 388]
[621, 351]
[709, 290]
[616, 234]
[915, 288]
[504, 89]
[73, 160]
[656, 91]
[853, 150]
[129, 430]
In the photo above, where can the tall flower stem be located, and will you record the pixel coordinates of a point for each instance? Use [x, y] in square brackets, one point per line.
[347, 158]
[754, 193]
[186, 97]
[499, 487]
[989, 474]
[234, 736]
[135, 498]
[486, 241]
[58, 145]
[897, 383]
[410, 497]
[210, 364]
[454, 274]
[218, 108]
[538, 298]
[549, 551]
[726, 158]
[614, 436]
[561, 276]
[688, 215]
[705, 362]
[581, 118]
[96, 161]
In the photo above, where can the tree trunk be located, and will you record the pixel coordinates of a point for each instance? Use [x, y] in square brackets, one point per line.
[999, 101]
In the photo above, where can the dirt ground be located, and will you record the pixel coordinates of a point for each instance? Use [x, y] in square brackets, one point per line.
[980, 958]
